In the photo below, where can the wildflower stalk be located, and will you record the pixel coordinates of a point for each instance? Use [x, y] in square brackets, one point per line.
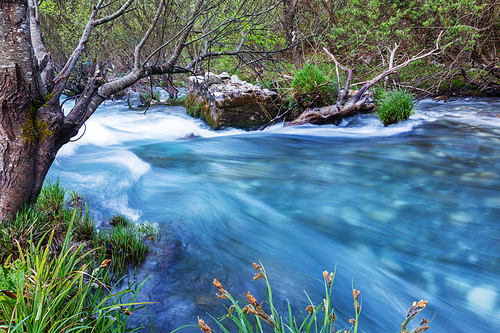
[311, 321]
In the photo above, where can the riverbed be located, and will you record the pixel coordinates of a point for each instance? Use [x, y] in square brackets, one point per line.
[405, 212]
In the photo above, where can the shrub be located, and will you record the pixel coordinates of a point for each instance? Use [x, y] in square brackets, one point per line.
[311, 87]
[394, 106]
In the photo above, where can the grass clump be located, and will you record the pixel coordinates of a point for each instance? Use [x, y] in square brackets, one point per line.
[56, 268]
[254, 316]
[44, 291]
[312, 87]
[125, 243]
[395, 106]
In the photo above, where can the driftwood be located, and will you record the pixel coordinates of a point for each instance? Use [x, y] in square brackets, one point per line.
[345, 106]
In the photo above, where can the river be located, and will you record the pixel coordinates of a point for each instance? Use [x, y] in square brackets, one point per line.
[403, 213]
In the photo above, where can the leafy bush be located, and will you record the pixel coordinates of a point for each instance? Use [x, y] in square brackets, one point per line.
[394, 106]
[311, 87]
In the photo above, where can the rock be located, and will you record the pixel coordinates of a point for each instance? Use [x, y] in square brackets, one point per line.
[482, 299]
[235, 79]
[212, 78]
[224, 76]
[196, 80]
[498, 116]
[230, 103]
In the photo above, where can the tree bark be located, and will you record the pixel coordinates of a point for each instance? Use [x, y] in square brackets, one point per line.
[18, 89]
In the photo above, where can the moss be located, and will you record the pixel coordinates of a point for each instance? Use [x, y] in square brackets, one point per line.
[34, 130]
[193, 106]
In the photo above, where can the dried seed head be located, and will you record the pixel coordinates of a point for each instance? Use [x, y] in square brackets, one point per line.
[204, 327]
[252, 300]
[424, 321]
[223, 296]
[328, 277]
[352, 321]
[105, 263]
[358, 308]
[230, 312]
[265, 317]
[257, 267]
[421, 304]
[259, 276]
[333, 316]
[126, 311]
[249, 309]
[218, 285]
[355, 294]
[310, 309]
[421, 329]
[9, 293]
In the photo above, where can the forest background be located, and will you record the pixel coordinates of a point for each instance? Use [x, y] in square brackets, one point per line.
[359, 33]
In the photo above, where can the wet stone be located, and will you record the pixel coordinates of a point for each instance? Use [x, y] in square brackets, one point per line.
[234, 103]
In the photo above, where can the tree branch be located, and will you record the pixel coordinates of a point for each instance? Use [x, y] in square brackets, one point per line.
[138, 48]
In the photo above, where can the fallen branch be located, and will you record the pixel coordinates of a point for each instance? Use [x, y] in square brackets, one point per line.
[359, 101]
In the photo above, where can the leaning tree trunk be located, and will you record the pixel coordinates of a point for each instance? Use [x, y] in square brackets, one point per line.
[28, 131]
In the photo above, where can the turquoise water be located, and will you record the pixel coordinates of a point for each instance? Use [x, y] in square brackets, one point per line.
[404, 213]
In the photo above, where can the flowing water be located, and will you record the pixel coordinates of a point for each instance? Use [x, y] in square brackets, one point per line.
[403, 213]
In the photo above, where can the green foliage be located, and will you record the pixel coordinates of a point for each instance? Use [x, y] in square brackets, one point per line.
[119, 220]
[395, 106]
[254, 316]
[56, 292]
[312, 87]
[124, 244]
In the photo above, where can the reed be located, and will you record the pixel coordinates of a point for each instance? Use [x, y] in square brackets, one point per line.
[253, 316]
[125, 243]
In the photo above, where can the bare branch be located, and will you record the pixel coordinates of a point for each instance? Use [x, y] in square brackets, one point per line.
[62, 79]
[421, 55]
[139, 46]
[113, 16]
[346, 88]
[184, 33]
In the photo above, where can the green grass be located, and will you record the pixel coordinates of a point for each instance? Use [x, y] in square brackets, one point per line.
[57, 270]
[395, 106]
[45, 291]
[253, 316]
[312, 87]
[125, 243]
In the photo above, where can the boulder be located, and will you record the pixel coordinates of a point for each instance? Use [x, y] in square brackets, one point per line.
[224, 101]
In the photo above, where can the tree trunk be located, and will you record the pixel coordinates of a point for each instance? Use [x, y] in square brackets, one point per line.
[29, 131]
[289, 13]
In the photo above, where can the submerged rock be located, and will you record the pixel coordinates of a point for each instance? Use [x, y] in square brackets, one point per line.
[226, 101]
